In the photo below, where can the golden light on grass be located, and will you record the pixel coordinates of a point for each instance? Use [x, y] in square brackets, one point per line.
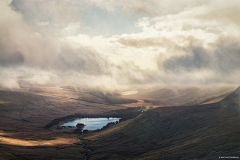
[3, 102]
[20, 142]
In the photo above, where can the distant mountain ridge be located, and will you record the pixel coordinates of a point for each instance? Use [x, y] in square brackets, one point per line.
[232, 100]
[233, 97]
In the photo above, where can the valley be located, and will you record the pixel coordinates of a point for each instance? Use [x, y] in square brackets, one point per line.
[30, 116]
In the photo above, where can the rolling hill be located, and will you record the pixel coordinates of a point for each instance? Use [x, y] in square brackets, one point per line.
[183, 95]
[183, 132]
[173, 132]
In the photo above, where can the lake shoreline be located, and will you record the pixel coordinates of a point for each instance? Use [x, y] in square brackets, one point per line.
[90, 124]
[125, 114]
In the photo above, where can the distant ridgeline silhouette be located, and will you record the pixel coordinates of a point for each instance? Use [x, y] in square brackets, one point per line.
[232, 100]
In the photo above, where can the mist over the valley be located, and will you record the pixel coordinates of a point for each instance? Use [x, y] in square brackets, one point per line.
[114, 80]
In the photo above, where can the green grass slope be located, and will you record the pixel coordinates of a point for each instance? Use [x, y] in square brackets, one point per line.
[188, 132]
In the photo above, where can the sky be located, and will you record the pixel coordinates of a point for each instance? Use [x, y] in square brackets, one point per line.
[119, 44]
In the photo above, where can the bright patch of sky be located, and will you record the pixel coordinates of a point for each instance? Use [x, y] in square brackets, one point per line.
[93, 21]
[98, 21]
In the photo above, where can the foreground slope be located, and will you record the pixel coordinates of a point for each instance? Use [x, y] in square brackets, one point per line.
[184, 132]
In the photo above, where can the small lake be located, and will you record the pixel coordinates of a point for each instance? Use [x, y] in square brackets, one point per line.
[91, 123]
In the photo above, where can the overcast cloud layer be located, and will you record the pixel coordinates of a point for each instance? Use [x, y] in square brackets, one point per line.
[119, 44]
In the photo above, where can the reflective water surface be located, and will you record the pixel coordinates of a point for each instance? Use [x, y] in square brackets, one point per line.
[91, 123]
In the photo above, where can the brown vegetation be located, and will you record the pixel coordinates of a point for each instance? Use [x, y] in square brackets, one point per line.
[29, 117]
[186, 132]
[25, 113]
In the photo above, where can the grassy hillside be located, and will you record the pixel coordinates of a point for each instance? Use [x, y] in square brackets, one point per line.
[195, 132]
[188, 95]
[186, 132]
[25, 112]
[111, 98]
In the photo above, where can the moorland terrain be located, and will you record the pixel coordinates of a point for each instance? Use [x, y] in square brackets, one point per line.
[183, 123]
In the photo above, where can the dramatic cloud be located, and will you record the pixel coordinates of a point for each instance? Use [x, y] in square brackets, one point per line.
[163, 42]
[23, 48]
